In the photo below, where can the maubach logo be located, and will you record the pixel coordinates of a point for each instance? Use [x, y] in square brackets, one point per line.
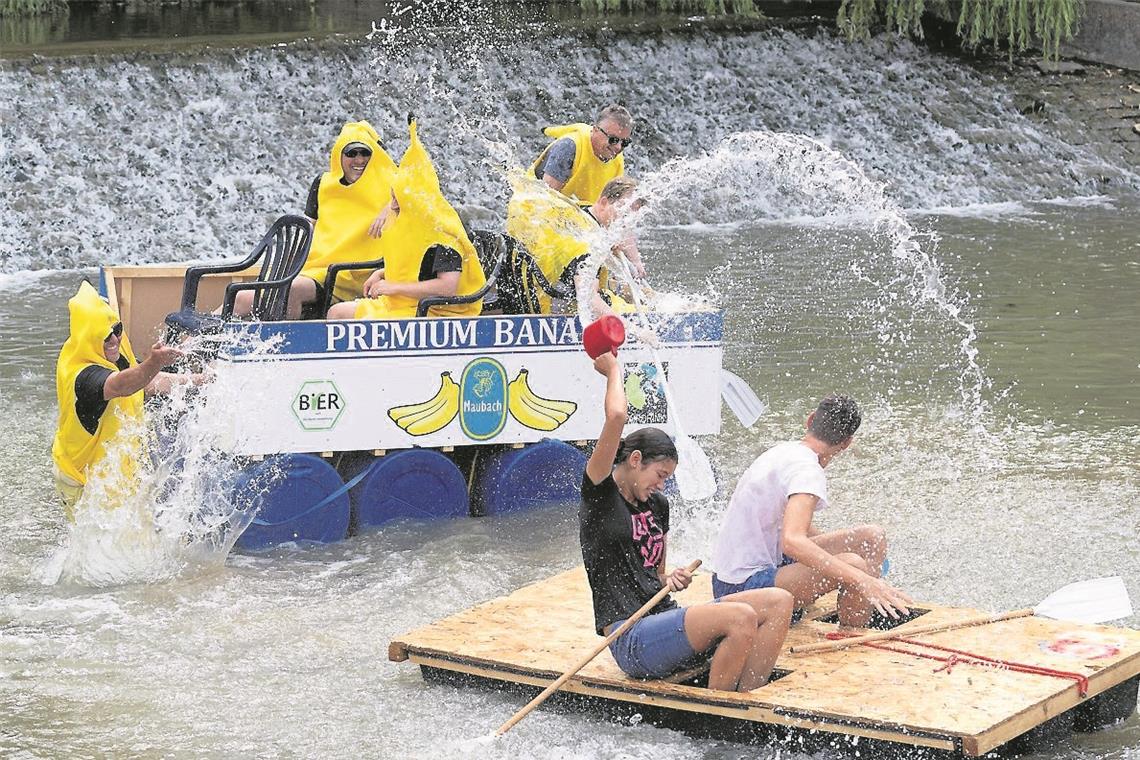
[318, 405]
[483, 396]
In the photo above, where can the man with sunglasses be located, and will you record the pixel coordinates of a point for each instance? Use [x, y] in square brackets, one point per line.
[584, 157]
[345, 204]
[100, 387]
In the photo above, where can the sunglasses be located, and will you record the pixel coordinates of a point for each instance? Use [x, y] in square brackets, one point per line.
[358, 152]
[116, 332]
[612, 140]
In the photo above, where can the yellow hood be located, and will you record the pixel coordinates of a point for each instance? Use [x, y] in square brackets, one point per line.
[346, 212]
[74, 449]
[425, 219]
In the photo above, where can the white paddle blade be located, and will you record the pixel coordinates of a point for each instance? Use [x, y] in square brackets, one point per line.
[740, 398]
[695, 478]
[1094, 601]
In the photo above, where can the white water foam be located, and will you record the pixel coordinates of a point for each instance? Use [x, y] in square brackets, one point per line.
[176, 517]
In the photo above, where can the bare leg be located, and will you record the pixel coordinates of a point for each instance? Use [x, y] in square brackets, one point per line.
[773, 608]
[302, 291]
[734, 625]
[807, 584]
[751, 626]
[343, 310]
[868, 541]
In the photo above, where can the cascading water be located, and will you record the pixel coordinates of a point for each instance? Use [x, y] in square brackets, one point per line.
[167, 158]
[801, 163]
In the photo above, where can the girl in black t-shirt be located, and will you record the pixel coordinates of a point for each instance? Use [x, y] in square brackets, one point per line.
[624, 523]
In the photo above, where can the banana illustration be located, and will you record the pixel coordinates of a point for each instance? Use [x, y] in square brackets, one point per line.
[431, 415]
[534, 411]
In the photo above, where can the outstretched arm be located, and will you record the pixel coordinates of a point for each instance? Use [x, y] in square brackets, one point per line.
[602, 460]
[799, 546]
[131, 380]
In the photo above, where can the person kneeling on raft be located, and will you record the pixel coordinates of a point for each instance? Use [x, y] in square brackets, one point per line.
[100, 387]
[624, 526]
[347, 205]
[556, 232]
[426, 250]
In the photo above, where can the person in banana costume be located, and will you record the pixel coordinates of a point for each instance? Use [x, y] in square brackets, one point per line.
[100, 387]
[556, 231]
[584, 157]
[426, 250]
[346, 204]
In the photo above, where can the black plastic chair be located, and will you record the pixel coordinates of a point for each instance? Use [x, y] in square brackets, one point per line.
[492, 248]
[521, 280]
[330, 280]
[282, 252]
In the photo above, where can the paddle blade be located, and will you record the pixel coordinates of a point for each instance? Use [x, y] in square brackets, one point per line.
[1094, 601]
[695, 478]
[740, 399]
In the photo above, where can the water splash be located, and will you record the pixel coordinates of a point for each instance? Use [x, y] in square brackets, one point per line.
[174, 517]
[753, 175]
[199, 152]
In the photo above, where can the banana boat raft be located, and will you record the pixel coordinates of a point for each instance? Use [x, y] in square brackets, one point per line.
[1018, 682]
[355, 423]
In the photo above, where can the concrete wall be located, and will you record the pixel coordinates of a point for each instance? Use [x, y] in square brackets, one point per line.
[1109, 33]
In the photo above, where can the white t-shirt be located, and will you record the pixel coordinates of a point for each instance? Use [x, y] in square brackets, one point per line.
[751, 538]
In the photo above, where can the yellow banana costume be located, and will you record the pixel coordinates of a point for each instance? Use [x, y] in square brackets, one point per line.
[346, 212]
[553, 228]
[425, 219]
[589, 174]
[75, 451]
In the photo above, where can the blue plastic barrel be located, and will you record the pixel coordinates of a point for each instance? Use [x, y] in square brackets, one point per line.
[293, 498]
[411, 483]
[537, 475]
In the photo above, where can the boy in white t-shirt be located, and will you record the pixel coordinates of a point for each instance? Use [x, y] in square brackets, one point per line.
[768, 539]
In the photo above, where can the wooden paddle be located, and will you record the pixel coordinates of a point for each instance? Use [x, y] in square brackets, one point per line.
[695, 477]
[1093, 601]
[614, 634]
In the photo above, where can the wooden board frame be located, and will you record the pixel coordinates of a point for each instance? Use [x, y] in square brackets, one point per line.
[967, 718]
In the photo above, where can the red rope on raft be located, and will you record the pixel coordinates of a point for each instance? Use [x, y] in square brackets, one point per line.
[962, 657]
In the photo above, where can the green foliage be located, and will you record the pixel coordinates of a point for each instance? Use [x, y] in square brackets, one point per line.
[1013, 22]
[708, 7]
[31, 7]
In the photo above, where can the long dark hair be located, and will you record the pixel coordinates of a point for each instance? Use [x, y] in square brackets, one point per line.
[653, 443]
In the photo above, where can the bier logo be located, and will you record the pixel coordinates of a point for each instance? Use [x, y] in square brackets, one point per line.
[318, 405]
[483, 399]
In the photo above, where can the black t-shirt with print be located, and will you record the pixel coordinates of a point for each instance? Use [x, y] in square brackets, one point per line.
[89, 401]
[622, 545]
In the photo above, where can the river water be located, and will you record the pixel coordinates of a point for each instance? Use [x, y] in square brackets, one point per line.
[968, 274]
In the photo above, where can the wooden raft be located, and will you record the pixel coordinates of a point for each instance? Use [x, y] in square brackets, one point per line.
[536, 633]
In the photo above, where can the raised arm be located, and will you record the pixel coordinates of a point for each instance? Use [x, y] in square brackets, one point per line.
[602, 460]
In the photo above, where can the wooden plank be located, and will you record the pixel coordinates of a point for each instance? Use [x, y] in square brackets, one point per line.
[538, 631]
[1049, 708]
[701, 705]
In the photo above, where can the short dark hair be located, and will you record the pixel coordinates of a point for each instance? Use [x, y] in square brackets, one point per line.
[836, 419]
[653, 443]
[619, 115]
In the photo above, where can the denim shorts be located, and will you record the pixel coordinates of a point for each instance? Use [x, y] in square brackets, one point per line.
[656, 646]
[762, 578]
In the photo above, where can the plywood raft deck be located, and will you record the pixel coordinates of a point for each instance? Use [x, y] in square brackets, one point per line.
[536, 633]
